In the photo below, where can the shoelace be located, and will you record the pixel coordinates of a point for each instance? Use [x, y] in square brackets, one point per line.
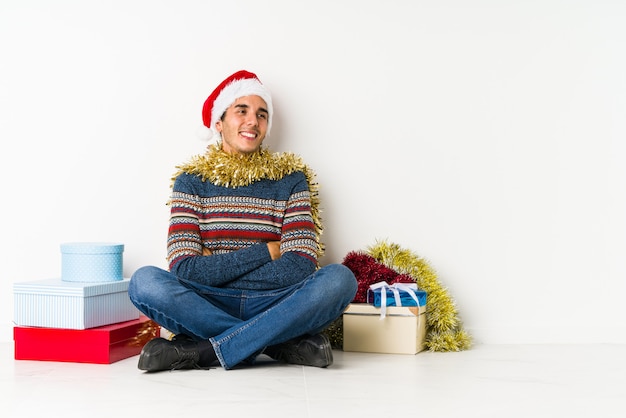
[187, 359]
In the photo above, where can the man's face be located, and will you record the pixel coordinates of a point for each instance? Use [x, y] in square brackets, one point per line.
[244, 125]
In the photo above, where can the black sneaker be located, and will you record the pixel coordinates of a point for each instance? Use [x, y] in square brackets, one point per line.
[314, 350]
[161, 354]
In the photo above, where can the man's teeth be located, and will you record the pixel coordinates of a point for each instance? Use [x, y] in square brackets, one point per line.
[248, 135]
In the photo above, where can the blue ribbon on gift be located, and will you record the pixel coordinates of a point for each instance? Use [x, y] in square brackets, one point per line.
[397, 294]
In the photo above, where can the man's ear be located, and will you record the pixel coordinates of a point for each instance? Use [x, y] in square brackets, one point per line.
[218, 126]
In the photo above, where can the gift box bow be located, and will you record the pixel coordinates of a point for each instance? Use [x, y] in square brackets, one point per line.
[404, 294]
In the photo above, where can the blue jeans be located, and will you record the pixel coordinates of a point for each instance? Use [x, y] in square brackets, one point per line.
[241, 323]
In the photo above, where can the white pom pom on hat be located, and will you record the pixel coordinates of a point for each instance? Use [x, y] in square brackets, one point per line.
[206, 134]
[240, 84]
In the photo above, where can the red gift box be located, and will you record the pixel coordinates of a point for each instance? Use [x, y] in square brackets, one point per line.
[101, 345]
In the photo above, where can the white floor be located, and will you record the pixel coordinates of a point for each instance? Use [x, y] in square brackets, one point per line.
[486, 381]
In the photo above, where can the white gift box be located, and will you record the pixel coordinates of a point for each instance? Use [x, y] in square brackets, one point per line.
[55, 303]
[401, 331]
[91, 262]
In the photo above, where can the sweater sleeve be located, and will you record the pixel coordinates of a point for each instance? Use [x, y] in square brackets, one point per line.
[221, 269]
[291, 268]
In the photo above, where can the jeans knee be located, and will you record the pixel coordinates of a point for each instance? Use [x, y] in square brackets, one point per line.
[140, 282]
[342, 280]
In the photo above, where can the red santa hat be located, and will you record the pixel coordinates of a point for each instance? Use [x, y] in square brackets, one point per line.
[240, 84]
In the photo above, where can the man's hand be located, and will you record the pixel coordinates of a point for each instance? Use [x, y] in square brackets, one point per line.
[274, 248]
[206, 251]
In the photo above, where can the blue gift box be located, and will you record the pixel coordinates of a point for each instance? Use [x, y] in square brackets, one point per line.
[374, 297]
[55, 303]
[91, 262]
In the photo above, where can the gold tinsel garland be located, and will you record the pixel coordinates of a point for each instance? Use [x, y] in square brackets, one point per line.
[238, 170]
[444, 330]
[147, 331]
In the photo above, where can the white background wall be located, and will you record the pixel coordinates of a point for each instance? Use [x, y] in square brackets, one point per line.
[486, 136]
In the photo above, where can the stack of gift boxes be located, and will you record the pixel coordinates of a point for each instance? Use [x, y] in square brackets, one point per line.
[85, 316]
[392, 321]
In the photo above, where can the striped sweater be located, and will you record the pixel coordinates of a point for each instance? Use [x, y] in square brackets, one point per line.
[235, 223]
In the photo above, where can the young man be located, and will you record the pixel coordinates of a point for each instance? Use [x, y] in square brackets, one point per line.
[243, 247]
